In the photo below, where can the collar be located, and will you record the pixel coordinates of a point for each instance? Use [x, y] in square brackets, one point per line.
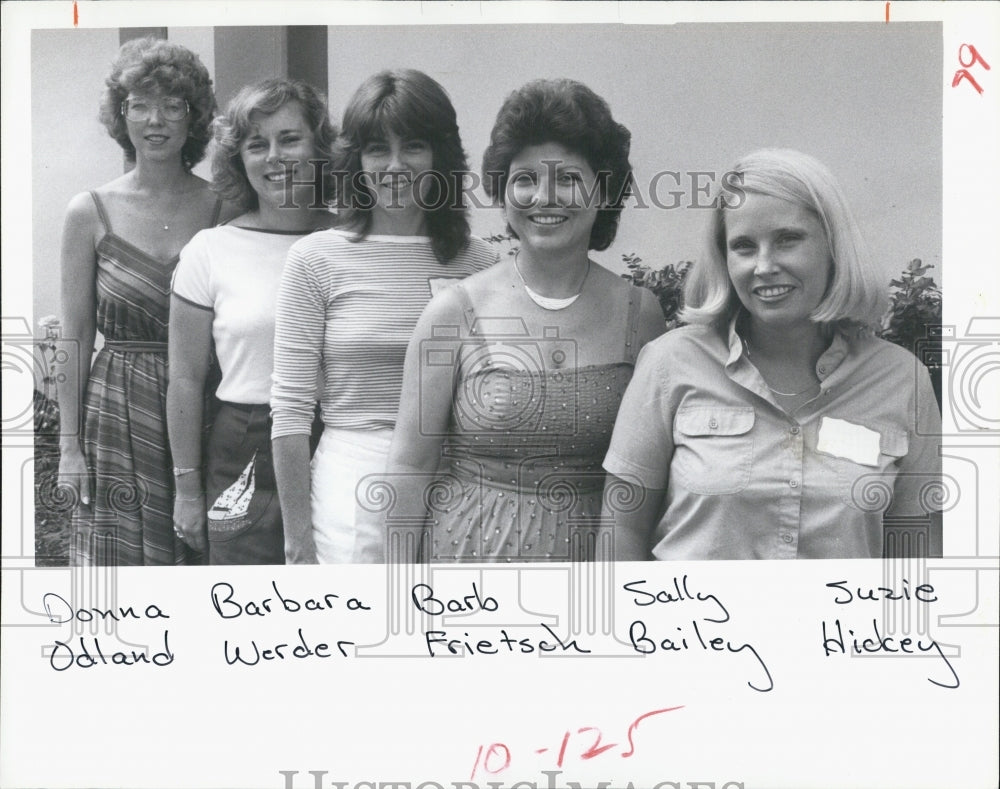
[827, 363]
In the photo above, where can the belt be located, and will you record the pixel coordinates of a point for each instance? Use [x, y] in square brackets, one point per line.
[250, 407]
[135, 346]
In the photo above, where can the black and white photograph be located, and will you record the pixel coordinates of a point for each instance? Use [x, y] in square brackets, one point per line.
[517, 314]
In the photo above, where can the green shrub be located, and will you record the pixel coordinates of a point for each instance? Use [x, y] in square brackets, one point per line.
[667, 284]
[912, 319]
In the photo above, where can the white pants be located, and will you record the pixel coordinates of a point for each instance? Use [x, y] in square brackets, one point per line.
[346, 516]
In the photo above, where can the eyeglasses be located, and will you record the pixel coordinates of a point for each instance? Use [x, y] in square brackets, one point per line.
[139, 110]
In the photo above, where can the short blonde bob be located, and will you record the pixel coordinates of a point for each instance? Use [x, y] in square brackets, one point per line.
[854, 294]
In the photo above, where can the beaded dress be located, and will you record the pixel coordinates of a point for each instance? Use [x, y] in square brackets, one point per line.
[523, 476]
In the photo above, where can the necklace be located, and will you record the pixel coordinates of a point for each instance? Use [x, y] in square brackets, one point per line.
[171, 215]
[746, 346]
[546, 302]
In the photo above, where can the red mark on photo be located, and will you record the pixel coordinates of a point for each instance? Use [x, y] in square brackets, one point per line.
[635, 725]
[887, 13]
[496, 752]
[76, 15]
[497, 757]
[974, 59]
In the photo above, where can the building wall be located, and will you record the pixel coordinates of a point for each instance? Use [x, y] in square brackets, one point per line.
[865, 99]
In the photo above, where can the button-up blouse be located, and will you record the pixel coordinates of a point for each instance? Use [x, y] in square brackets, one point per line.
[746, 479]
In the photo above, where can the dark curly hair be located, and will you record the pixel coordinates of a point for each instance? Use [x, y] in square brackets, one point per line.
[568, 113]
[156, 64]
[409, 104]
[229, 176]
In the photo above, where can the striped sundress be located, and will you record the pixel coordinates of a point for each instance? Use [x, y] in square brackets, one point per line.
[130, 520]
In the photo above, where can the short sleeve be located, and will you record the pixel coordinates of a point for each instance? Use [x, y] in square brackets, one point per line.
[642, 441]
[192, 279]
[919, 487]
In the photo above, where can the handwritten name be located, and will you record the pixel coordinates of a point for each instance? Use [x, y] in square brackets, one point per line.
[442, 642]
[228, 607]
[689, 635]
[302, 650]
[60, 611]
[874, 641]
[525, 646]
[680, 593]
[91, 653]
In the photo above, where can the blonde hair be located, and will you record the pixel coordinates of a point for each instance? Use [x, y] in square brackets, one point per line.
[854, 294]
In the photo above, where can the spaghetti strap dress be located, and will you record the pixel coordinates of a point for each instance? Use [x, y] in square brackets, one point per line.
[523, 477]
[130, 519]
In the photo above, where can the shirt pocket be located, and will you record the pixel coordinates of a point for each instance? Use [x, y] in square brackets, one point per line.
[870, 488]
[713, 448]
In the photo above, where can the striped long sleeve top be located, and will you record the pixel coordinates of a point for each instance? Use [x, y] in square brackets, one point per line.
[346, 312]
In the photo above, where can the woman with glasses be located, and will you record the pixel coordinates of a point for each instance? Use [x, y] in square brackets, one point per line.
[224, 293]
[120, 244]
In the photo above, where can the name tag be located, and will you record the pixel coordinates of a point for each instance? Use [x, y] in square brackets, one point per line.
[844, 439]
[437, 284]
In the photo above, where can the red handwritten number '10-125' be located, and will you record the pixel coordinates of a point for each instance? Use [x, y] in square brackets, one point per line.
[497, 757]
[963, 73]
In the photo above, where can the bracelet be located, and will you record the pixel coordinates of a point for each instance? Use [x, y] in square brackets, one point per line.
[190, 498]
[180, 472]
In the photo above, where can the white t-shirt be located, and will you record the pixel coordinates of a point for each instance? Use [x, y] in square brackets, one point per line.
[235, 272]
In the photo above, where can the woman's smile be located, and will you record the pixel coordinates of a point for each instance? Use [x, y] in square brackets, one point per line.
[778, 259]
[551, 198]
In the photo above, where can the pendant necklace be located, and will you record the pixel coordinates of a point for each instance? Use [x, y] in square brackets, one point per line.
[172, 215]
[546, 302]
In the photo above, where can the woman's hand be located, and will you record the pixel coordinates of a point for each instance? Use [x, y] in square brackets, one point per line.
[191, 521]
[189, 348]
[73, 474]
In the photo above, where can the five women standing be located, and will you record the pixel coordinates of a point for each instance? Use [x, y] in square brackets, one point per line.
[735, 442]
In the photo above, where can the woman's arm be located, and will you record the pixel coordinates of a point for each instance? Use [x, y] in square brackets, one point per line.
[421, 424]
[189, 351]
[78, 285]
[299, 337]
[639, 457]
[293, 477]
[633, 511]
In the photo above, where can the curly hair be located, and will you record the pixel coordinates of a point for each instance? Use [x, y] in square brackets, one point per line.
[569, 113]
[229, 176]
[155, 64]
[412, 105]
[853, 295]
